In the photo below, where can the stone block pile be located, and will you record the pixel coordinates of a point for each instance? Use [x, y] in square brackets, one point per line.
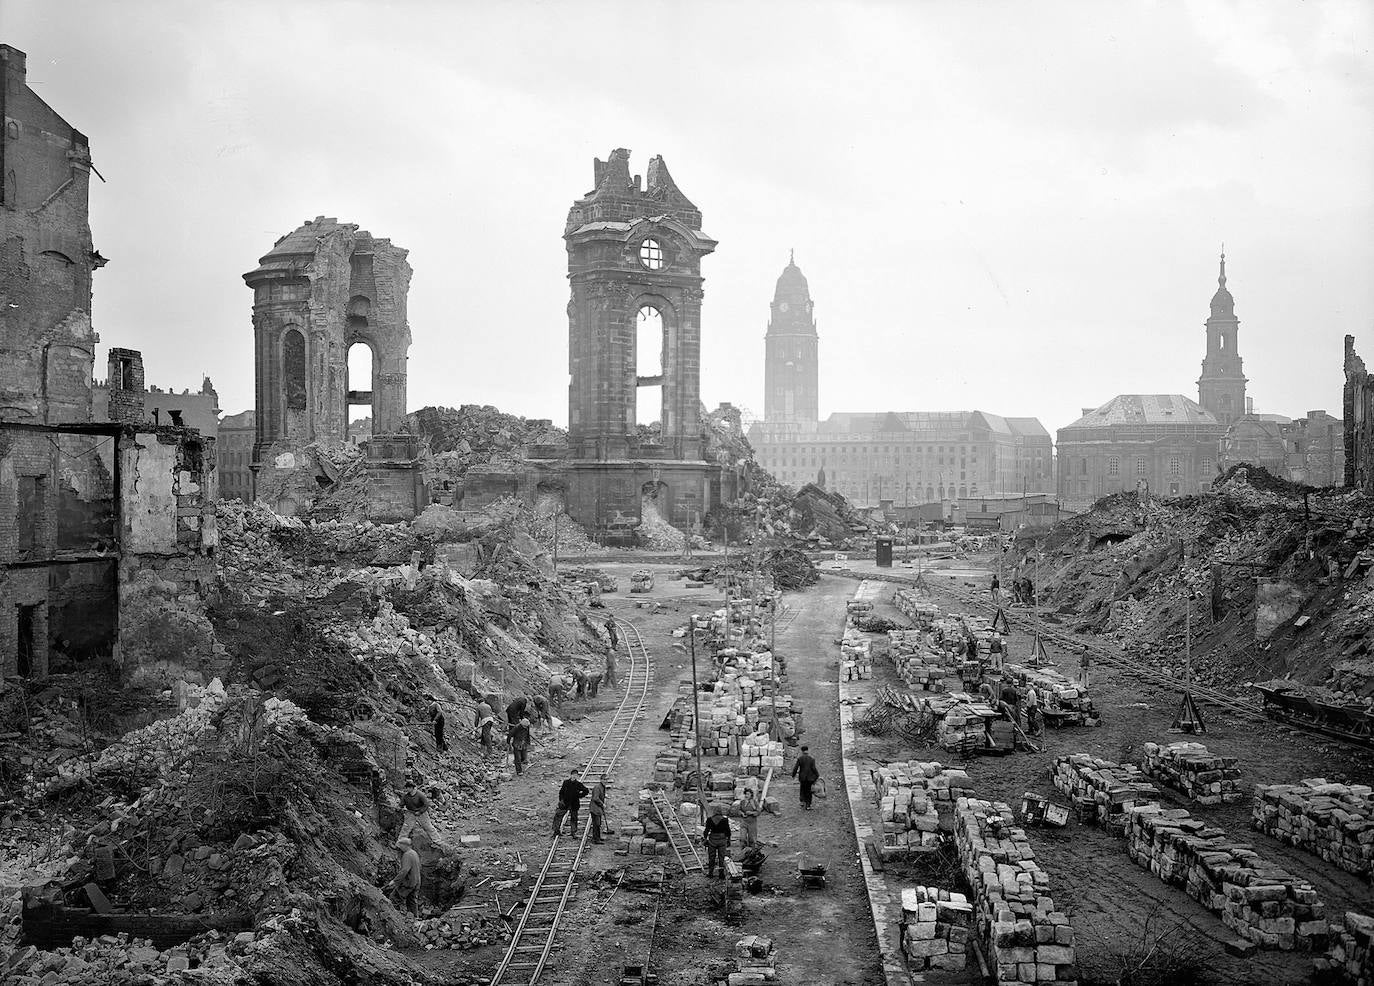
[856, 655]
[755, 962]
[1028, 939]
[1207, 778]
[911, 796]
[936, 925]
[645, 836]
[1350, 954]
[963, 724]
[1261, 902]
[1059, 693]
[915, 606]
[1335, 821]
[1111, 787]
[758, 753]
[460, 930]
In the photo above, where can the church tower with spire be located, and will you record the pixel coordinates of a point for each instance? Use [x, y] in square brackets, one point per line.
[1221, 388]
[791, 387]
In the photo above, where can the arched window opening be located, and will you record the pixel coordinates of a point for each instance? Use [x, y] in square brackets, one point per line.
[293, 369]
[649, 344]
[360, 386]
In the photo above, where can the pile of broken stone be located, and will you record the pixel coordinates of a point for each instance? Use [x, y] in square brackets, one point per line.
[116, 960]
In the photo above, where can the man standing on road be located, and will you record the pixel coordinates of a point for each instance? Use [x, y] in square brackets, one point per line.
[996, 589]
[1083, 661]
[570, 796]
[749, 815]
[406, 882]
[597, 806]
[1034, 720]
[416, 805]
[519, 741]
[717, 835]
[804, 770]
[612, 653]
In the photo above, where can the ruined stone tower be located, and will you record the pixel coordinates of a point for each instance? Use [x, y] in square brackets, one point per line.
[1221, 388]
[634, 321]
[791, 388]
[319, 291]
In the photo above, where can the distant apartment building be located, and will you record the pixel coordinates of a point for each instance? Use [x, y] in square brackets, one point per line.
[235, 449]
[907, 457]
[1309, 450]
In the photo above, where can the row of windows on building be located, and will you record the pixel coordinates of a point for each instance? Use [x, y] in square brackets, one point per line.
[1142, 466]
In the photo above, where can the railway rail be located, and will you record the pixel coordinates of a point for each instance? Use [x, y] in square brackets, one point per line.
[535, 934]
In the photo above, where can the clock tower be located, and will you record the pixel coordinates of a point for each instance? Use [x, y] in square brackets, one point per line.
[791, 390]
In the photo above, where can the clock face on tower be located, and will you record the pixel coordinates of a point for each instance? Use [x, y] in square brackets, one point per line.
[783, 306]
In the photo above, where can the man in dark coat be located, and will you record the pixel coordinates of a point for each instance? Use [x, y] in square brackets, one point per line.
[570, 796]
[519, 740]
[717, 836]
[804, 770]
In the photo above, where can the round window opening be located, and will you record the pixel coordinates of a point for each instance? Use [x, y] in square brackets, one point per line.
[651, 255]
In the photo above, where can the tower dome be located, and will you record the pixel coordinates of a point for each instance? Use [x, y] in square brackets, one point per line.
[1222, 302]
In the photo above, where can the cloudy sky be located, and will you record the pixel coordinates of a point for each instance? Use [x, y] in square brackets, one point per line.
[1009, 206]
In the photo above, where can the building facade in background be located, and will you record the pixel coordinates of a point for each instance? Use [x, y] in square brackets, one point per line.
[234, 448]
[189, 409]
[906, 457]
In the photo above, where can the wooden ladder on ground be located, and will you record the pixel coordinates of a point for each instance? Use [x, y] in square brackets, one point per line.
[687, 855]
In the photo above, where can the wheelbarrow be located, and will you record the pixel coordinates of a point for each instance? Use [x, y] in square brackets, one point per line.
[812, 875]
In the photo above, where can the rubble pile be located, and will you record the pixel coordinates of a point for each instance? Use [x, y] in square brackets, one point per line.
[1264, 904]
[122, 960]
[1352, 682]
[478, 435]
[935, 928]
[1110, 787]
[460, 930]
[1120, 568]
[1207, 778]
[1063, 699]
[1335, 821]
[829, 516]
[1350, 955]
[1028, 939]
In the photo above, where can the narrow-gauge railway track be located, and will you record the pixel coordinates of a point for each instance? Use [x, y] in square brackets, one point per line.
[534, 936]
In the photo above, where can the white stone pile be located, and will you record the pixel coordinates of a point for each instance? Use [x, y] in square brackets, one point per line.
[856, 655]
[758, 753]
[1261, 902]
[1111, 787]
[935, 928]
[755, 962]
[1335, 821]
[1207, 778]
[962, 725]
[1028, 940]
[915, 606]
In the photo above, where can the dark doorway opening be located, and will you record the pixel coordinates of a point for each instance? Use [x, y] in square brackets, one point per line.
[27, 620]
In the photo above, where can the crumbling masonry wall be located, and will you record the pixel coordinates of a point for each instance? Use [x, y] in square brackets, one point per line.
[1358, 410]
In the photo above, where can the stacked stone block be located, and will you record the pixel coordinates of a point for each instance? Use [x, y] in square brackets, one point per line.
[1111, 787]
[936, 925]
[1058, 693]
[1335, 821]
[915, 606]
[1262, 903]
[755, 962]
[758, 754]
[911, 796]
[1205, 777]
[856, 656]
[1029, 940]
[1350, 955]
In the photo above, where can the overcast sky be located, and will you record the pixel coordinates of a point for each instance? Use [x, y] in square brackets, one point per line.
[1015, 207]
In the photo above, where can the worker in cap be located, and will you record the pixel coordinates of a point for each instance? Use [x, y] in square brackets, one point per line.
[406, 883]
[596, 804]
[519, 741]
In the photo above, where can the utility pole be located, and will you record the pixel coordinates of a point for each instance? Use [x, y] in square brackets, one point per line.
[696, 706]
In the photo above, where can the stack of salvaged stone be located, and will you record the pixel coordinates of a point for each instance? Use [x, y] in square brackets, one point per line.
[755, 961]
[911, 796]
[915, 606]
[1262, 903]
[723, 722]
[856, 656]
[1109, 786]
[1350, 954]
[758, 753]
[962, 722]
[782, 709]
[645, 836]
[1335, 821]
[1029, 940]
[1058, 693]
[1205, 777]
[935, 927]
